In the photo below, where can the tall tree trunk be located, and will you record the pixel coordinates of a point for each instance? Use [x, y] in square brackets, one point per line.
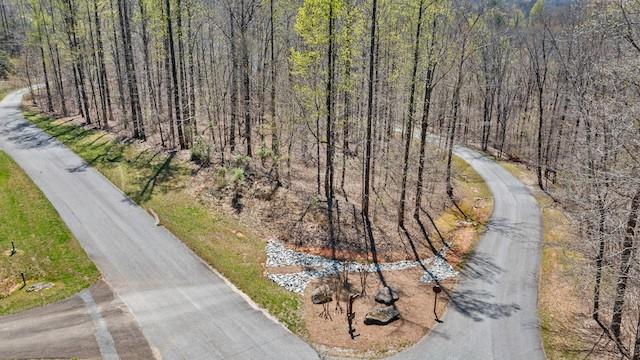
[174, 76]
[625, 266]
[328, 176]
[636, 351]
[118, 65]
[102, 70]
[428, 90]
[132, 83]
[367, 150]
[151, 97]
[192, 91]
[247, 89]
[70, 22]
[56, 60]
[409, 127]
[455, 104]
[599, 261]
[183, 122]
[44, 70]
[275, 144]
[234, 83]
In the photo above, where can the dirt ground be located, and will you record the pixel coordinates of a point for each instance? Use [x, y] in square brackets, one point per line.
[296, 214]
[415, 304]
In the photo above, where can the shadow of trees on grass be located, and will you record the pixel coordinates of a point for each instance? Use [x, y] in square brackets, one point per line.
[139, 173]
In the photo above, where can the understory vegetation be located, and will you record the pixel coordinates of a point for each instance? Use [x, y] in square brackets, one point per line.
[331, 124]
[163, 182]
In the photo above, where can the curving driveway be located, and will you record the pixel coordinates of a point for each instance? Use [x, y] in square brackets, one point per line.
[186, 311]
[493, 312]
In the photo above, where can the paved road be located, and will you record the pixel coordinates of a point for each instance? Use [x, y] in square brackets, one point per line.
[187, 312]
[184, 309]
[493, 311]
[91, 325]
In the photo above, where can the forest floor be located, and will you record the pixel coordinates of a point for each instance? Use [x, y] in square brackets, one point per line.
[6, 86]
[197, 205]
[564, 307]
[46, 252]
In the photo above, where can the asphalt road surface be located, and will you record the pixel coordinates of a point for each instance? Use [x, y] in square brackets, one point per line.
[90, 325]
[493, 313]
[186, 311]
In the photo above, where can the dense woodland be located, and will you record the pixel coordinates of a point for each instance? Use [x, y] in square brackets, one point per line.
[361, 87]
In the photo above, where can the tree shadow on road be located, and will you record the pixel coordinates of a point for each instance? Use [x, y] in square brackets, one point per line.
[479, 266]
[478, 305]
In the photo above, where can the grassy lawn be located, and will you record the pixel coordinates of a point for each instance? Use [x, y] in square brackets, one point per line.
[559, 304]
[47, 252]
[157, 181]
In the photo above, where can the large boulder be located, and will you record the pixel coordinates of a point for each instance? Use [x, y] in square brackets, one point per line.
[381, 316]
[386, 295]
[321, 294]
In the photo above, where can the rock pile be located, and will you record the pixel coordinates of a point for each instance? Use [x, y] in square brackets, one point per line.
[438, 271]
[318, 267]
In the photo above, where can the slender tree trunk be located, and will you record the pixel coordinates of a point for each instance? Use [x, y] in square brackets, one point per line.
[234, 83]
[44, 71]
[625, 266]
[102, 70]
[70, 22]
[118, 66]
[454, 117]
[151, 97]
[174, 76]
[132, 83]
[539, 147]
[247, 89]
[599, 261]
[428, 90]
[275, 144]
[367, 150]
[56, 61]
[182, 106]
[409, 127]
[169, 89]
[192, 91]
[636, 351]
[328, 176]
